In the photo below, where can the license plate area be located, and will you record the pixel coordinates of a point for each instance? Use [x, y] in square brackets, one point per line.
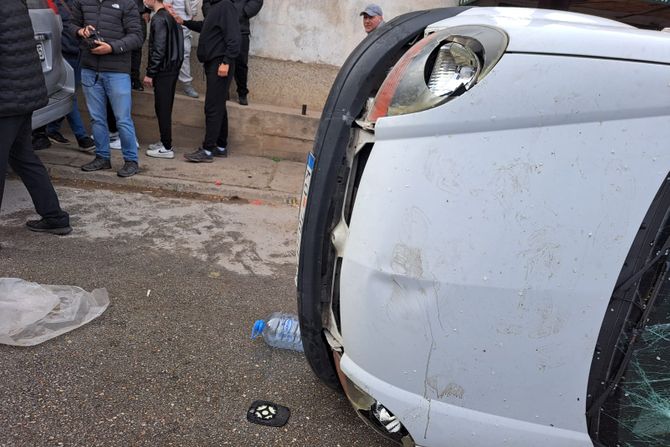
[41, 52]
[309, 168]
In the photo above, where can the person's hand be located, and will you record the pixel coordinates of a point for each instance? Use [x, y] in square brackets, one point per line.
[102, 48]
[223, 70]
[173, 13]
[86, 31]
[148, 82]
[146, 16]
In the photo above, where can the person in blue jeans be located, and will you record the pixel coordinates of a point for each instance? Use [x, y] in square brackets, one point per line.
[108, 30]
[72, 54]
[43, 136]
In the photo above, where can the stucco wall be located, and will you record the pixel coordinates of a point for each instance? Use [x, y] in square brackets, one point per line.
[320, 31]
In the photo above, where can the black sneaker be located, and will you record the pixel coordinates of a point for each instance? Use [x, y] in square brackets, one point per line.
[199, 156]
[86, 144]
[40, 142]
[137, 85]
[219, 152]
[129, 169]
[97, 164]
[57, 137]
[42, 226]
[243, 100]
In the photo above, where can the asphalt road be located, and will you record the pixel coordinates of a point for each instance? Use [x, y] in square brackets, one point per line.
[173, 366]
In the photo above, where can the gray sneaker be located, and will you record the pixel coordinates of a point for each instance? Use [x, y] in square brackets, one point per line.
[190, 91]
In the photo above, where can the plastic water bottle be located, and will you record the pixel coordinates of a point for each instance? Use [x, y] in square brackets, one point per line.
[281, 331]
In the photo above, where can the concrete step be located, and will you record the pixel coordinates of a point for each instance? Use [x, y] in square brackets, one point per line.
[256, 130]
[238, 177]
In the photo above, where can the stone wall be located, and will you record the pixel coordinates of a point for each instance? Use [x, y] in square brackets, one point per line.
[297, 46]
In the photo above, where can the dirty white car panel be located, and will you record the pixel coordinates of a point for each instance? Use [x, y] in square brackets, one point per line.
[481, 239]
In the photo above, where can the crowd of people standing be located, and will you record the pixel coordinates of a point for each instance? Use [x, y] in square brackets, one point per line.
[104, 40]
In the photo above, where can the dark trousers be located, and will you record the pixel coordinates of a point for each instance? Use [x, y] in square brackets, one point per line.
[136, 55]
[242, 67]
[164, 89]
[216, 114]
[111, 120]
[16, 150]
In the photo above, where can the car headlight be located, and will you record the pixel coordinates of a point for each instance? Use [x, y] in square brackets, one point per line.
[440, 67]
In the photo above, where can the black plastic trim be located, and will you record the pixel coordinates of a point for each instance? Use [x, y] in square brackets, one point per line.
[622, 305]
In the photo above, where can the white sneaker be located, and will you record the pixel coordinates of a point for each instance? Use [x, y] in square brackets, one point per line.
[160, 152]
[154, 146]
[115, 143]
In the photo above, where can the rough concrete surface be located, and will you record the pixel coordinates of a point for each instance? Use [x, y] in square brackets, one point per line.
[170, 362]
[236, 177]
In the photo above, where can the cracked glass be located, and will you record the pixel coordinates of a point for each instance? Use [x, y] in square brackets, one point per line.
[637, 412]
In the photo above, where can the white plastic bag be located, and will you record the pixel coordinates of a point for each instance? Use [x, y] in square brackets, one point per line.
[31, 313]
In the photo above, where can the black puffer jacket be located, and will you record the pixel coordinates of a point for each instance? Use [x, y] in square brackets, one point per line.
[118, 22]
[22, 87]
[219, 33]
[166, 45]
[245, 8]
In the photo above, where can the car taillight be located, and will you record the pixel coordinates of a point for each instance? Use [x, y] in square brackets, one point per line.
[438, 68]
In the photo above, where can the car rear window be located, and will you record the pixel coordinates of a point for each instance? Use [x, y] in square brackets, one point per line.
[37, 4]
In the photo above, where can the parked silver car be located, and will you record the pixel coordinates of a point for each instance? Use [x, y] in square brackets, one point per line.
[58, 74]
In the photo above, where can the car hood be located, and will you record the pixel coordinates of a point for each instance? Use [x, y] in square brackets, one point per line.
[566, 33]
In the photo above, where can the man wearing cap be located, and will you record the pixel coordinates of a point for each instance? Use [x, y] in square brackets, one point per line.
[373, 17]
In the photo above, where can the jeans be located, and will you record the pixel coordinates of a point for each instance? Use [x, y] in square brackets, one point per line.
[74, 117]
[99, 87]
[16, 150]
[185, 72]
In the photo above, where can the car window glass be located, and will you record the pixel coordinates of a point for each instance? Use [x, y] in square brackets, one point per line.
[638, 412]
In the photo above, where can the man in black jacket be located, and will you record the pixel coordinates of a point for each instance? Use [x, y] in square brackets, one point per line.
[218, 47]
[109, 30]
[23, 90]
[166, 54]
[246, 10]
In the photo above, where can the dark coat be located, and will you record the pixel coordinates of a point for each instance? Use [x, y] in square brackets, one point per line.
[69, 43]
[220, 36]
[22, 86]
[119, 24]
[166, 45]
[245, 8]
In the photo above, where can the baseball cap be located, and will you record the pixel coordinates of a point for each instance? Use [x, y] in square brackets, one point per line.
[372, 10]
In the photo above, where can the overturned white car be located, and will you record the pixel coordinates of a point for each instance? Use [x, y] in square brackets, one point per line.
[485, 244]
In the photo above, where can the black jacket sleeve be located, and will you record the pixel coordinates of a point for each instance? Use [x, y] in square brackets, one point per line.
[252, 7]
[205, 7]
[158, 47]
[194, 25]
[77, 20]
[233, 38]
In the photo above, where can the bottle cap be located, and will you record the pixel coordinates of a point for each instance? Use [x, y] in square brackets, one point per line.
[257, 330]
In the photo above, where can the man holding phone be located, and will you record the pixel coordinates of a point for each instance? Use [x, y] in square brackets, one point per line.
[109, 30]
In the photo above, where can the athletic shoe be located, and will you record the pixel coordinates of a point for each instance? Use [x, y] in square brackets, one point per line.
[86, 144]
[160, 152]
[115, 143]
[154, 146]
[57, 137]
[129, 169]
[97, 164]
[200, 155]
[190, 91]
[42, 226]
[220, 152]
[41, 141]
